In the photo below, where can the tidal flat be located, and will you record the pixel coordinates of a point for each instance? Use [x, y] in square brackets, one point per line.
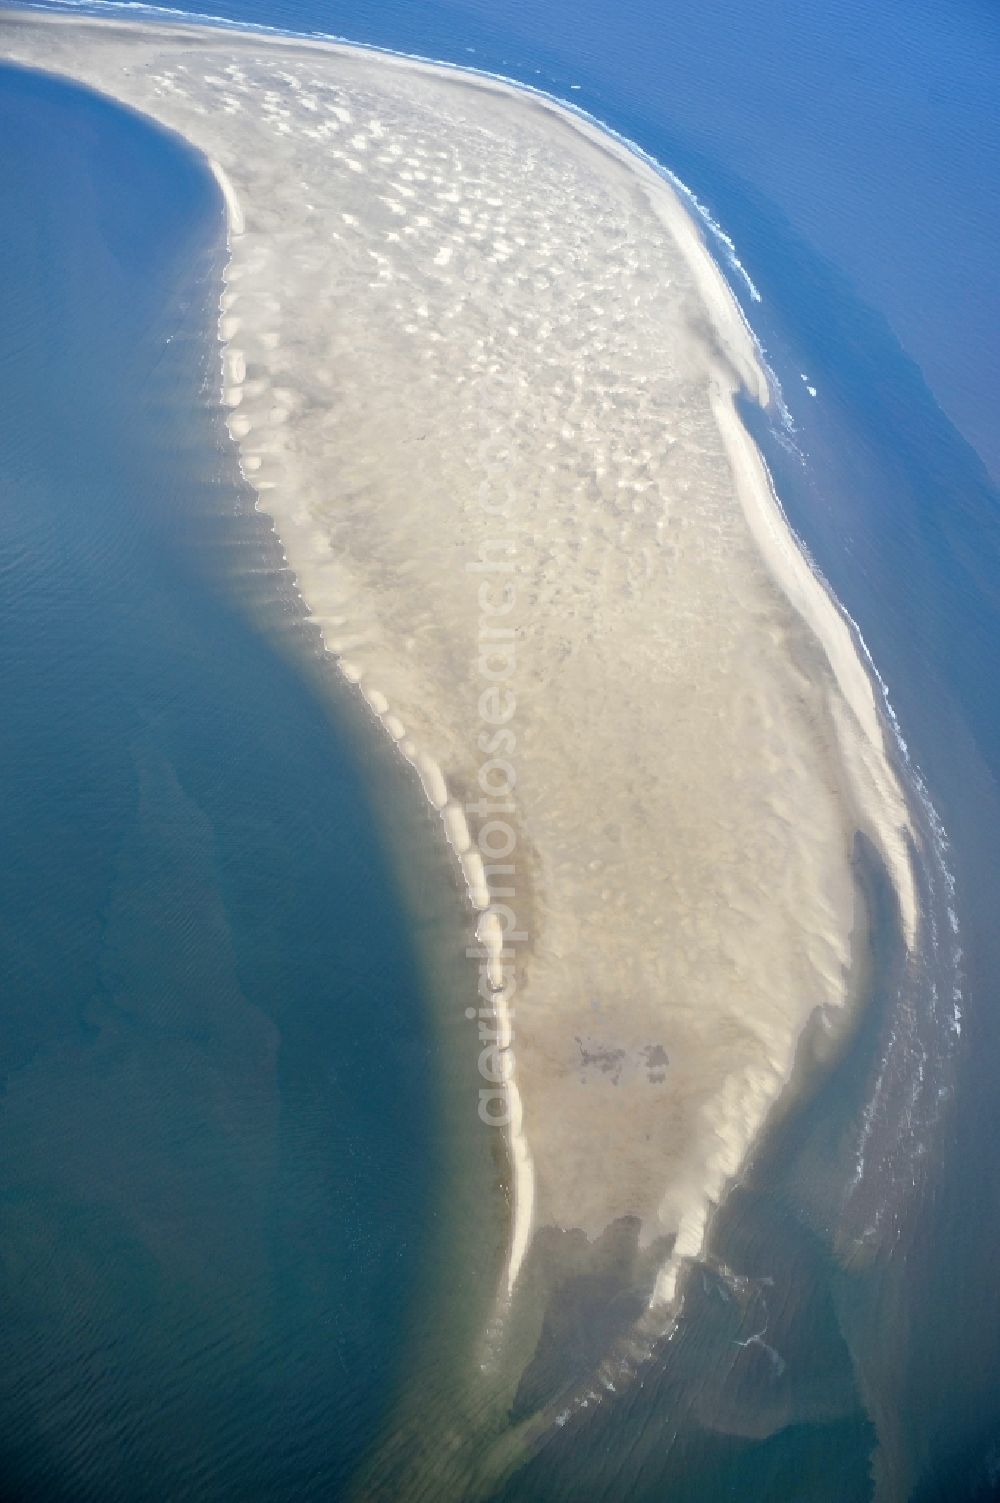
[482, 374]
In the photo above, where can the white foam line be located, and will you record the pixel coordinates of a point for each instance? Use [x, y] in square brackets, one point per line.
[234, 214]
[490, 935]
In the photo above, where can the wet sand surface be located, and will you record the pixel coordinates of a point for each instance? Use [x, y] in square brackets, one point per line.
[481, 368]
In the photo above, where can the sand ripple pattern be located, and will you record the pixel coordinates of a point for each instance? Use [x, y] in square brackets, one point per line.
[461, 328]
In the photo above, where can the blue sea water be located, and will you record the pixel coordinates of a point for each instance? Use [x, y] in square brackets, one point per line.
[850, 154]
[217, 1115]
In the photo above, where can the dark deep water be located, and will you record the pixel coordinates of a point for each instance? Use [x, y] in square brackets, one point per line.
[215, 1130]
[161, 758]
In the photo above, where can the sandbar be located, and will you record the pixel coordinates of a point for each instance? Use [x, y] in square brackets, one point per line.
[481, 369]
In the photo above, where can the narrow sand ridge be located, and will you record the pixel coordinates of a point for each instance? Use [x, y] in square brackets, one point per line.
[480, 368]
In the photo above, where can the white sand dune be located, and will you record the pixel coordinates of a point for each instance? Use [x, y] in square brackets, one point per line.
[480, 368]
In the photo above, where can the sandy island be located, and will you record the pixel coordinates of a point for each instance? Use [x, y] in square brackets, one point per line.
[480, 367]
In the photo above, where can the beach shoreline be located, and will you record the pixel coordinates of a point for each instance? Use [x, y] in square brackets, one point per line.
[868, 785]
